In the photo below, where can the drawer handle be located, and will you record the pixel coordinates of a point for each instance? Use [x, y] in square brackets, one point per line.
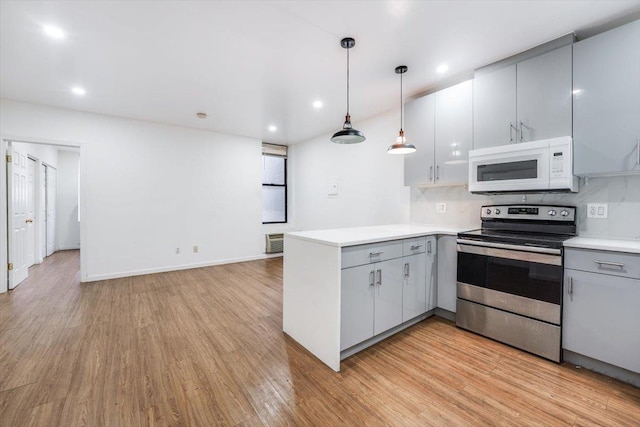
[415, 247]
[610, 264]
[372, 254]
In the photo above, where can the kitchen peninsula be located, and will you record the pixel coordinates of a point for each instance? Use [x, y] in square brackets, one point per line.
[346, 289]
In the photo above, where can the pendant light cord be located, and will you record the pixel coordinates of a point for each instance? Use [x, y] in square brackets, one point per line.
[401, 105]
[347, 81]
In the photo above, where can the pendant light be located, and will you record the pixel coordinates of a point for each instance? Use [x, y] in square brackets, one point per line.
[348, 135]
[401, 146]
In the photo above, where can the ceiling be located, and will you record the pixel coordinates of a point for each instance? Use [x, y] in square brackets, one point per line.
[252, 64]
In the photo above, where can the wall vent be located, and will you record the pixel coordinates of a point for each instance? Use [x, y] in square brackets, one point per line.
[275, 243]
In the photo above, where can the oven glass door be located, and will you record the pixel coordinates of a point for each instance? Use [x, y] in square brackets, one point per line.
[524, 276]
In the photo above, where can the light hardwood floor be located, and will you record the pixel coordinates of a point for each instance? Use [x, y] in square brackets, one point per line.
[205, 347]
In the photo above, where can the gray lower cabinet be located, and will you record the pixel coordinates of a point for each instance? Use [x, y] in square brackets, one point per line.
[526, 101]
[601, 318]
[419, 290]
[440, 126]
[371, 301]
[380, 295]
[606, 102]
[447, 272]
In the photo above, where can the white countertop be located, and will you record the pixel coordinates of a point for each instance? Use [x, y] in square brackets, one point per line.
[341, 237]
[618, 245]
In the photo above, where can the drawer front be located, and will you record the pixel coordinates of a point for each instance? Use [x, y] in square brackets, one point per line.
[417, 245]
[373, 252]
[604, 262]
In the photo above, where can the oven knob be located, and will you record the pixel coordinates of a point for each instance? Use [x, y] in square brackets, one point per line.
[564, 212]
[551, 213]
[497, 211]
[488, 211]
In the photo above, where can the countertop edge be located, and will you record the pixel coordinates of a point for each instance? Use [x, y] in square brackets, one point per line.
[383, 237]
[604, 244]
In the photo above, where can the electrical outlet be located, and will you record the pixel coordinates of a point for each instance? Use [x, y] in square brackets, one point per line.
[597, 210]
[195, 249]
[441, 207]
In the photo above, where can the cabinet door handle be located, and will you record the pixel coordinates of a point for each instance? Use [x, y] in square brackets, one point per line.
[379, 278]
[610, 264]
[571, 288]
[638, 153]
[406, 269]
[437, 173]
[372, 254]
[371, 278]
[429, 246]
[511, 127]
[431, 173]
[521, 133]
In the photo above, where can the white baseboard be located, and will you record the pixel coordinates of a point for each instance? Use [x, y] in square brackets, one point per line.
[142, 272]
[68, 248]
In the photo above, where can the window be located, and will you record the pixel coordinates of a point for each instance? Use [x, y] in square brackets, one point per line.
[274, 184]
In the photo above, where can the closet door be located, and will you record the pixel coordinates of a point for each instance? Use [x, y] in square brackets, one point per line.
[51, 210]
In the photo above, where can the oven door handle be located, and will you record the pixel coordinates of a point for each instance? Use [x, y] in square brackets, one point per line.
[508, 246]
[520, 254]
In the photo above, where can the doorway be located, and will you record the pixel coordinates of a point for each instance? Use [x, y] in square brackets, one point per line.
[36, 202]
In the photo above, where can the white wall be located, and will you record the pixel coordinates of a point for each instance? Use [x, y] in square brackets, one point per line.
[147, 189]
[67, 224]
[370, 181]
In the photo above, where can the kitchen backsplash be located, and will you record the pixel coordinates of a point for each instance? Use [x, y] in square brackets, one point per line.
[621, 193]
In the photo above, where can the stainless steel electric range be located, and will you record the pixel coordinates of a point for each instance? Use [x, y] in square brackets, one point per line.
[509, 285]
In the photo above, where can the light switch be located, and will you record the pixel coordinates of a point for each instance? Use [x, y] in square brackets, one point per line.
[441, 207]
[332, 186]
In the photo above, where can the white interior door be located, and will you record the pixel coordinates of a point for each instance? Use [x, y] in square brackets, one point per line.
[17, 207]
[43, 211]
[51, 209]
[31, 212]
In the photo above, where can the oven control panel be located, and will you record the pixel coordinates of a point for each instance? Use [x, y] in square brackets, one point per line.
[529, 212]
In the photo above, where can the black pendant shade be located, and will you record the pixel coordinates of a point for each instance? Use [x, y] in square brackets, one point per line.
[348, 135]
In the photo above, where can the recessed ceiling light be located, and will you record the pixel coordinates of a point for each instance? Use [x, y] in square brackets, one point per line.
[273, 128]
[442, 68]
[79, 91]
[577, 91]
[317, 104]
[53, 32]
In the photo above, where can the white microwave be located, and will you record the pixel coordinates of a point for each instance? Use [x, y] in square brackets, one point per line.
[537, 166]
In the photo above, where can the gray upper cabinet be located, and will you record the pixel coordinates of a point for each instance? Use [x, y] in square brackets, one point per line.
[544, 96]
[419, 127]
[440, 126]
[494, 107]
[606, 102]
[454, 112]
[526, 101]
